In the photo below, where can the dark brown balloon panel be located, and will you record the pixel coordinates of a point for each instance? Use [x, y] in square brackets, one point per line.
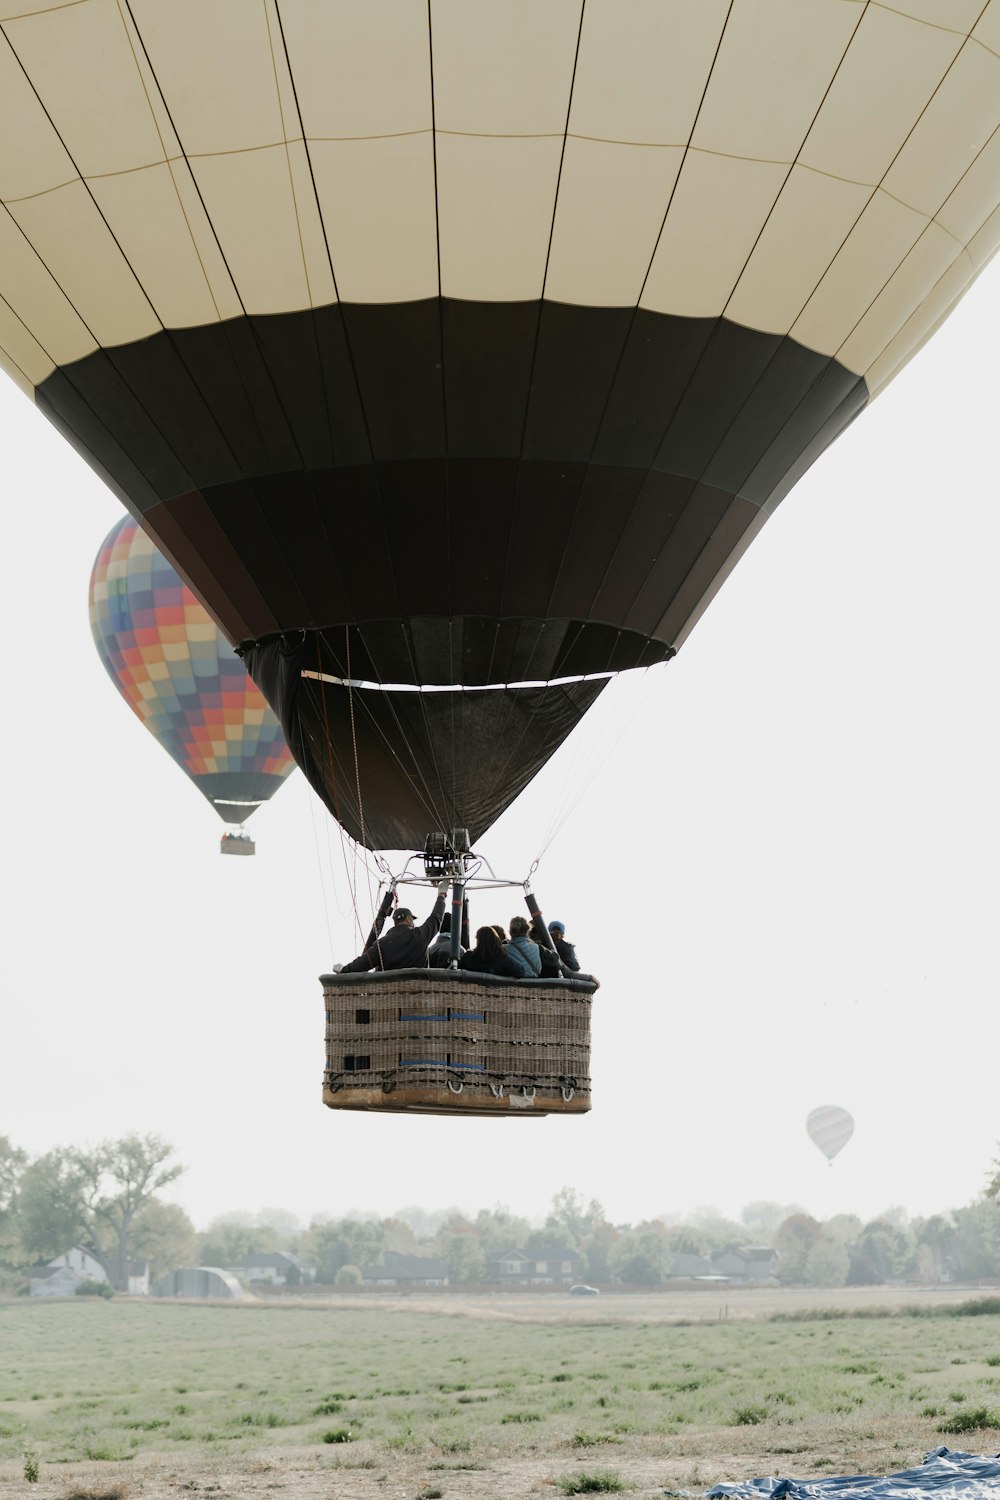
[450, 494]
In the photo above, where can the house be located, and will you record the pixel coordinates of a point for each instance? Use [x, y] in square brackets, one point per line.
[43, 1282]
[63, 1282]
[274, 1268]
[547, 1265]
[746, 1263]
[687, 1267]
[199, 1281]
[406, 1270]
[61, 1276]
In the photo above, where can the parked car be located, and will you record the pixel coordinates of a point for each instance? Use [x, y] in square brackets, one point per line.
[584, 1291]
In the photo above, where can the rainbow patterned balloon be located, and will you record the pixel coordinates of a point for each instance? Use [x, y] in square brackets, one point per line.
[180, 676]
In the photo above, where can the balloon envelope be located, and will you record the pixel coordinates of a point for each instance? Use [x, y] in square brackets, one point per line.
[180, 676]
[453, 389]
[830, 1128]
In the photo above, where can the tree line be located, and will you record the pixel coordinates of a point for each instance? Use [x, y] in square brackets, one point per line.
[106, 1200]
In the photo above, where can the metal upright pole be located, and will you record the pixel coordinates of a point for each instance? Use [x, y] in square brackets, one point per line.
[539, 921]
[465, 923]
[457, 901]
[380, 916]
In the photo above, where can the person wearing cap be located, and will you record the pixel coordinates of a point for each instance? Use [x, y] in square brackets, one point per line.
[566, 951]
[405, 946]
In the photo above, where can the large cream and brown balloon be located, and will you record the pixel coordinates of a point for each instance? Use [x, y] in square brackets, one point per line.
[454, 352]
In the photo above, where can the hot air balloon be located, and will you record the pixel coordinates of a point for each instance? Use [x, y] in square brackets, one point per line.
[455, 352]
[180, 676]
[830, 1128]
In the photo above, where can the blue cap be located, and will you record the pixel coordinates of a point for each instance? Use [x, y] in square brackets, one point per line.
[557, 926]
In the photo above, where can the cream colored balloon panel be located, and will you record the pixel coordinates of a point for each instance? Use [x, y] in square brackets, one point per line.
[257, 224]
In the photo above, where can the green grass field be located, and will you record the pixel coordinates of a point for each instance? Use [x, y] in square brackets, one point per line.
[385, 1389]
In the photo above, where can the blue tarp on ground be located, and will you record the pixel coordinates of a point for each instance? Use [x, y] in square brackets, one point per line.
[945, 1475]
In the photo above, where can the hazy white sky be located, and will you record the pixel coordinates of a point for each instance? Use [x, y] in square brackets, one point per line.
[784, 872]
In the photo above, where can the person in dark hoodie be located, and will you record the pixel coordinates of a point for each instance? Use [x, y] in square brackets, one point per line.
[551, 965]
[439, 952]
[405, 946]
[566, 951]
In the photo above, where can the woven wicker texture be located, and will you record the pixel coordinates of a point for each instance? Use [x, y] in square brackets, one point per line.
[458, 1040]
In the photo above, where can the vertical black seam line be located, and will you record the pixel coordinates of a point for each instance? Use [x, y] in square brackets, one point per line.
[962, 250]
[560, 694]
[251, 481]
[511, 699]
[14, 312]
[392, 748]
[534, 358]
[110, 353]
[169, 162]
[779, 346]
[497, 627]
[407, 641]
[428, 800]
[792, 164]
[632, 318]
[332, 563]
[871, 196]
[208, 219]
[343, 317]
[498, 735]
[804, 444]
[11, 362]
[448, 519]
[318, 510]
[354, 739]
[538, 318]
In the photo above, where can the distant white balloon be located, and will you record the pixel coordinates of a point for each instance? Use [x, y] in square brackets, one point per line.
[830, 1128]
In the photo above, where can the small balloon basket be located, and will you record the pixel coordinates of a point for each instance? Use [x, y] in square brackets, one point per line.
[446, 1041]
[237, 843]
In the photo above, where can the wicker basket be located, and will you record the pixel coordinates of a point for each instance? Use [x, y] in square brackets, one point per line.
[443, 1041]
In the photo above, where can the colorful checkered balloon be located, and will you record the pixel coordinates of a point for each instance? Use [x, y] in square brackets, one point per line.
[180, 676]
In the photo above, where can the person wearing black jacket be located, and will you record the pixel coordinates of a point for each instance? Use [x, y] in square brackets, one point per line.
[551, 963]
[405, 947]
[566, 951]
[439, 952]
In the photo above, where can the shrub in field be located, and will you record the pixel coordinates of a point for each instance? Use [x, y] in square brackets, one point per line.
[100, 1492]
[95, 1289]
[592, 1439]
[520, 1416]
[338, 1435]
[260, 1419]
[107, 1453]
[599, 1483]
[971, 1419]
[31, 1467]
[749, 1416]
[328, 1408]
